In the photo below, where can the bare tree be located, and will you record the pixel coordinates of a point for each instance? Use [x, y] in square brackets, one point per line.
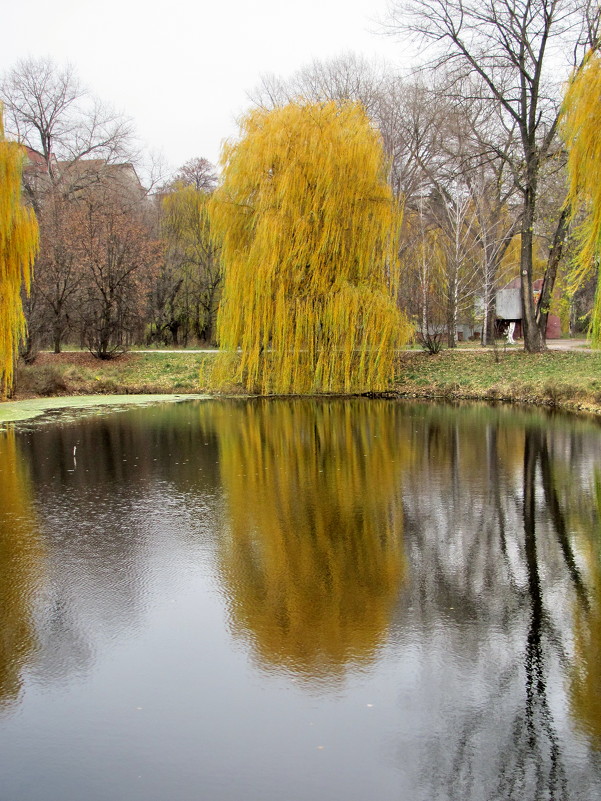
[348, 77]
[520, 50]
[477, 145]
[72, 139]
[458, 193]
[199, 173]
[118, 257]
[453, 211]
[48, 110]
[58, 273]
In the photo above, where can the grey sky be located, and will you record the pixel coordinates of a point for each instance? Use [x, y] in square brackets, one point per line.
[182, 69]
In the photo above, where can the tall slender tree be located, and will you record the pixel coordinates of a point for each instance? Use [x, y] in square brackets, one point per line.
[309, 228]
[18, 247]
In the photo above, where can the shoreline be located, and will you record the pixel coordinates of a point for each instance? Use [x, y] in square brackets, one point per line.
[565, 380]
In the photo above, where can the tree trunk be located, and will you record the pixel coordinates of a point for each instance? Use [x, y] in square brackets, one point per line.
[533, 342]
[452, 301]
[486, 312]
[56, 339]
[555, 254]
[174, 331]
[57, 324]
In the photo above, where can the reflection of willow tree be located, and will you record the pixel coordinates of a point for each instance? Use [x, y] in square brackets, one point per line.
[20, 554]
[586, 681]
[313, 558]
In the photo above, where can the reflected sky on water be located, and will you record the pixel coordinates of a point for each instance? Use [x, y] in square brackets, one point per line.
[333, 599]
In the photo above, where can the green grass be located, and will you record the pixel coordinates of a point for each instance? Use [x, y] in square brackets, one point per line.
[570, 380]
[133, 373]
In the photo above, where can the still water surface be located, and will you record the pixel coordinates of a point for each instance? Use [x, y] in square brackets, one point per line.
[300, 601]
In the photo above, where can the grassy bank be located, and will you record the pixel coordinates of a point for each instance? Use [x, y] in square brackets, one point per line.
[565, 379]
[133, 373]
[570, 380]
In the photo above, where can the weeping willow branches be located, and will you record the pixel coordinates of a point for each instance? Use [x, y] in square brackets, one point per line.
[18, 246]
[581, 126]
[309, 232]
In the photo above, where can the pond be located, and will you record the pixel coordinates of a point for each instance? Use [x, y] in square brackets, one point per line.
[333, 600]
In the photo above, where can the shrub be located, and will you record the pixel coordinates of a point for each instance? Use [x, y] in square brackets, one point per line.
[430, 341]
[43, 380]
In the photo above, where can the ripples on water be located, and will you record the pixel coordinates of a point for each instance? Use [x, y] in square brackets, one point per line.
[301, 600]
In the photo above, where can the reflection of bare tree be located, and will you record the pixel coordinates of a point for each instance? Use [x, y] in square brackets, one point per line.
[312, 559]
[535, 760]
[498, 558]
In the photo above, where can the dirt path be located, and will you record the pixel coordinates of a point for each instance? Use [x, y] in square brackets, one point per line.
[85, 357]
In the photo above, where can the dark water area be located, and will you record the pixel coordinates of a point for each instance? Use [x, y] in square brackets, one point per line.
[346, 600]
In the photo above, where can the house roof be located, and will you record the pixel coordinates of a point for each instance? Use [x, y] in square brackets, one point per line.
[35, 159]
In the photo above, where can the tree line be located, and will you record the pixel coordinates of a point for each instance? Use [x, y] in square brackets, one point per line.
[476, 154]
[122, 260]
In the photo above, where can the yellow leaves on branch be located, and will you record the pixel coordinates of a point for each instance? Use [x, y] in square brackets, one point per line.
[186, 219]
[581, 125]
[18, 247]
[309, 231]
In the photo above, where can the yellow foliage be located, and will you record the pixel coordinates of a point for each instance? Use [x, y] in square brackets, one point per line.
[18, 247]
[192, 257]
[309, 229]
[423, 250]
[581, 126]
[186, 221]
[510, 262]
[311, 563]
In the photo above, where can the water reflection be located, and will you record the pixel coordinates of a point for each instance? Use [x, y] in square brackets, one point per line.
[506, 568]
[115, 517]
[433, 568]
[585, 687]
[312, 559]
[21, 558]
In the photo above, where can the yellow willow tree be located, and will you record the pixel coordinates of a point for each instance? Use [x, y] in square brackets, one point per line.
[18, 246]
[581, 126]
[309, 231]
[192, 274]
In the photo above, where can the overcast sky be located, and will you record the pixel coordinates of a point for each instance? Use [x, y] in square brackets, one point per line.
[182, 69]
